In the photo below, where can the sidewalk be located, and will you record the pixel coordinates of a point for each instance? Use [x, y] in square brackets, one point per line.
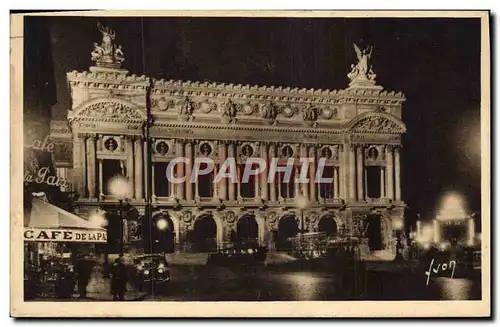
[98, 289]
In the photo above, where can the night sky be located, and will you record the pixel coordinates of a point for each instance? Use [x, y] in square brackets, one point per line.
[435, 62]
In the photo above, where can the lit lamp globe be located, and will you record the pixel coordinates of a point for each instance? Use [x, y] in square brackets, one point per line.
[302, 202]
[397, 224]
[452, 207]
[161, 224]
[98, 220]
[119, 186]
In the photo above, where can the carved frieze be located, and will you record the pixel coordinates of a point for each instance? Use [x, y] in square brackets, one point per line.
[310, 115]
[377, 124]
[228, 110]
[376, 138]
[330, 113]
[269, 111]
[185, 108]
[104, 110]
[207, 106]
[246, 133]
[249, 108]
[162, 104]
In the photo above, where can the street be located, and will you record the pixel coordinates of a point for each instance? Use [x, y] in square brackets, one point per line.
[258, 283]
[289, 282]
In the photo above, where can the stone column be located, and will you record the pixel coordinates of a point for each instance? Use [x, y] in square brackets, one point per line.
[180, 169]
[257, 182]
[129, 151]
[230, 154]
[304, 187]
[336, 182]
[153, 191]
[343, 172]
[101, 186]
[79, 169]
[351, 176]
[360, 172]
[382, 182]
[238, 174]
[214, 185]
[188, 150]
[312, 174]
[145, 170]
[91, 164]
[397, 173]
[139, 168]
[223, 182]
[263, 176]
[272, 190]
[389, 172]
[296, 186]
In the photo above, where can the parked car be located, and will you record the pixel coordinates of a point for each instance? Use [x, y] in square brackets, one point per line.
[150, 272]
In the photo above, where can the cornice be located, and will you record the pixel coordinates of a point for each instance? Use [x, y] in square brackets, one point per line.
[275, 93]
[263, 128]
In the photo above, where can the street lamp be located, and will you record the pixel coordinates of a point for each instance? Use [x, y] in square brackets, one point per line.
[162, 225]
[302, 203]
[120, 188]
[398, 226]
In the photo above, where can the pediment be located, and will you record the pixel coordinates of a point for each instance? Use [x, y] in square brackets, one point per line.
[108, 110]
[378, 123]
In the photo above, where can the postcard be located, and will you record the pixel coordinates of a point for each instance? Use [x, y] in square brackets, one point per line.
[250, 164]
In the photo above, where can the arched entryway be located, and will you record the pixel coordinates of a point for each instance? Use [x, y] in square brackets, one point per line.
[373, 230]
[247, 230]
[327, 225]
[205, 234]
[287, 227]
[163, 234]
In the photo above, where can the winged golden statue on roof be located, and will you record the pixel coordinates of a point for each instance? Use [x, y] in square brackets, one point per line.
[107, 54]
[363, 69]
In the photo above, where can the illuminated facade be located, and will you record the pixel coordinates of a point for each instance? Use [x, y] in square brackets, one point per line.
[357, 130]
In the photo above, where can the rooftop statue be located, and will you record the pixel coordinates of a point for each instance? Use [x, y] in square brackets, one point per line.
[362, 71]
[107, 54]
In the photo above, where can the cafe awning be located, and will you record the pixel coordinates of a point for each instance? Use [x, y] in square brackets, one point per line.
[49, 223]
[46, 215]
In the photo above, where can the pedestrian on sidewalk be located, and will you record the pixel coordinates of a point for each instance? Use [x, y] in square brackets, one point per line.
[83, 269]
[118, 279]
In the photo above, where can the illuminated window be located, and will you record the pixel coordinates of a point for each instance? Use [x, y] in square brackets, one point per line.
[111, 168]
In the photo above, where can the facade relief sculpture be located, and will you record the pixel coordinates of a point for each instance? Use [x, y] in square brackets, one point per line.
[162, 104]
[309, 115]
[185, 109]
[269, 111]
[378, 124]
[228, 111]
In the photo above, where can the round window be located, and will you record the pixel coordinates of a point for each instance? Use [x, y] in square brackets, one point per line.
[111, 144]
[162, 148]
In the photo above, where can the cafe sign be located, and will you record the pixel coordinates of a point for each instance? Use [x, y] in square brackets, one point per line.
[64, 235]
